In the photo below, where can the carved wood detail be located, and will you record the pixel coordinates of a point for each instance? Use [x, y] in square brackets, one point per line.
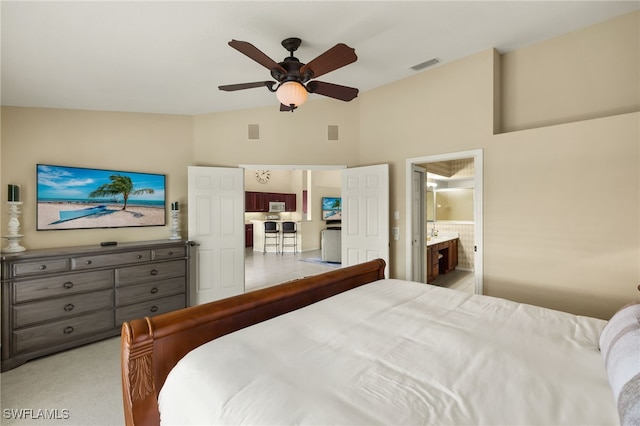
[141, 376]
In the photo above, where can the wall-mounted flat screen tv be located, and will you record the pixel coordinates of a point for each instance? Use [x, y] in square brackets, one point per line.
[331, 208]
[83, 198]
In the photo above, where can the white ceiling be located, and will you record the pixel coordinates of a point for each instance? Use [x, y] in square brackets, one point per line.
[170, 56]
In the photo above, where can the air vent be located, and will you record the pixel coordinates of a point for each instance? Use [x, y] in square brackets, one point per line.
[425, 64]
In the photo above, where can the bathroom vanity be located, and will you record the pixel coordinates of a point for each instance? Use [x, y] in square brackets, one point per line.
[442, 255]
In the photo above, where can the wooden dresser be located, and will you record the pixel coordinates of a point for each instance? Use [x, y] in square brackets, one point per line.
[56, 299]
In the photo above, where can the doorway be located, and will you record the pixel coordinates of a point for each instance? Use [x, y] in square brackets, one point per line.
[416, 178]
[356, 246]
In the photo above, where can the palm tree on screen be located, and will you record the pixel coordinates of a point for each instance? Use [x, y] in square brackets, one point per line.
[120, 185]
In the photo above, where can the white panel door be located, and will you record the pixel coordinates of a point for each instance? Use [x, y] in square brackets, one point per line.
[216, 225]
[418, 217]
[365, 214]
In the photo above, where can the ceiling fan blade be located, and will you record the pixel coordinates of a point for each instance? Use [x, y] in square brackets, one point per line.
[242, 86]
[336, 57]
[254, 53]
[331, 90]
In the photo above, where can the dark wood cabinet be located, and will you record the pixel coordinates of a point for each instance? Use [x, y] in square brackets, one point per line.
[290, 202]
[57, 299]
[248, 235]
[442, 258]
[275, 197]
[256, 202]
[452, 256]
[432, 263]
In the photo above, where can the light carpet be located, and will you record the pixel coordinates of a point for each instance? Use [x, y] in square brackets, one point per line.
[81, 386]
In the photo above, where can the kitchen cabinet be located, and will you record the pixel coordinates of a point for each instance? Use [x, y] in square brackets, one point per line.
[256, 201]
[248, 234]
[259, 201]
[290, 202]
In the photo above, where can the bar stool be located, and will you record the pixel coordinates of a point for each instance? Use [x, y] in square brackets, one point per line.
[271, 232]
[289, 232]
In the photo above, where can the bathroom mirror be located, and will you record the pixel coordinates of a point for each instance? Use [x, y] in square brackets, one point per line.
[449, 205]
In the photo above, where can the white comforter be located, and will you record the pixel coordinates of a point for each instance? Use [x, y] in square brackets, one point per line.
[397, 352]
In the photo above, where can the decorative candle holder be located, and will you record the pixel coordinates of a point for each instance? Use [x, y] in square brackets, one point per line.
[13, 237]
[175, 225]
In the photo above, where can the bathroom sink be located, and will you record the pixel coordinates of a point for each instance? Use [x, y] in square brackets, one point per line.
[440, 238]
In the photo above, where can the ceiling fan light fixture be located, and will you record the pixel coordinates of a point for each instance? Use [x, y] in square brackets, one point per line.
[291, 93]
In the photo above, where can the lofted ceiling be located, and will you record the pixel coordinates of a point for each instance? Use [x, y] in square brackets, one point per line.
[171, 56]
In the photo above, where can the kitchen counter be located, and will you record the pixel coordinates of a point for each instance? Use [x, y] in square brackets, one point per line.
[258, 235]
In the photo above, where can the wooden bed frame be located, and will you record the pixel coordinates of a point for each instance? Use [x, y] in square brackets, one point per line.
[152, 346]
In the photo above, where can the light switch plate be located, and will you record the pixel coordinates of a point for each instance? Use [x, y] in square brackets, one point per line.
[395, 231]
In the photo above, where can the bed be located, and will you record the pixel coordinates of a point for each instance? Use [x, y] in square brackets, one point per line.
[351, 347]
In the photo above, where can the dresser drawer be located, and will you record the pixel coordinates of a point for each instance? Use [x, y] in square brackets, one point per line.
[151, 308]
[61, 331]
[61, 285]
[152, 272]
[40, 267]
[100, 260]
[151, 290]
[55, 309]
[169, 253]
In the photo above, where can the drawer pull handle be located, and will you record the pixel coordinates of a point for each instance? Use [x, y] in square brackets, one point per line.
[154, 308]
[43, 267]
[154, 272]
[139, 256]
[170, 253]
[69, 307]
[88, 262]
[154, 290]
[68, 330]
[68, 284]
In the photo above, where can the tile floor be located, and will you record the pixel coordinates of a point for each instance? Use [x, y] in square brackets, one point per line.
[457, 279]
[267, 269]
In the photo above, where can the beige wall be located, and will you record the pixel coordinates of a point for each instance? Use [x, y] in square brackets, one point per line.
[543, 232]
[545, 238]
[447, 109]
[122, 141]
[285, 138]
[280, 181]
[582, 75]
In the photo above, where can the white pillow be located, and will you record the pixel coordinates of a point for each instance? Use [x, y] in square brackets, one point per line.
[620, 347]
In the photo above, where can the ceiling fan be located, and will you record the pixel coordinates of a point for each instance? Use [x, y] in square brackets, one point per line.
[294, 78]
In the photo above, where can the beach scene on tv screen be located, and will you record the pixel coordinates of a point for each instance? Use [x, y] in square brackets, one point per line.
[331, 208]
[73, 198]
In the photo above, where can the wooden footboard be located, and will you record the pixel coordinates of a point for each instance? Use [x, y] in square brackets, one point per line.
[150, 347]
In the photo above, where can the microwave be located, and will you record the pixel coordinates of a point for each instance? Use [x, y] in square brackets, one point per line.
[276, 206]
